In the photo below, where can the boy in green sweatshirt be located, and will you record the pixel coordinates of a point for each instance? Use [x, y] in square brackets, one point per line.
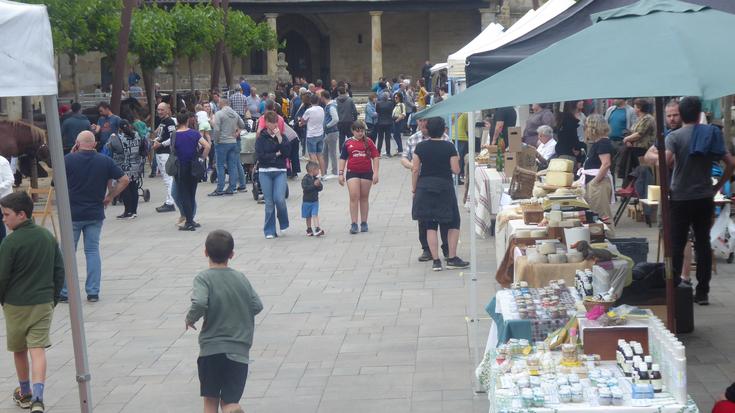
[31, 278]
[228, 303]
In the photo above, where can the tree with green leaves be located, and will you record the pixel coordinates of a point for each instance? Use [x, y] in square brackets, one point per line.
[243, 35]
[152, 41]
[75, 33]
[197, 29]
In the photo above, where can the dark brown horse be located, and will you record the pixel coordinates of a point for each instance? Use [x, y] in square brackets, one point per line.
[27, 142]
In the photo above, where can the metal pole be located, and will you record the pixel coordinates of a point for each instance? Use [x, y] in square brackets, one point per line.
[665, 215]
[67, 248]
[474, 333]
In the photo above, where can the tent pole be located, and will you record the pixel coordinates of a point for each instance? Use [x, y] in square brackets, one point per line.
[663, 171]
[474, 333]
[67, 248]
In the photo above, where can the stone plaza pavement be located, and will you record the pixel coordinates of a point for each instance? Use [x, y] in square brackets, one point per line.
[351, 322]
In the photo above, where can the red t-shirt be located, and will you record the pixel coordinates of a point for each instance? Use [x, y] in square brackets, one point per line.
[359, 155]
[724, 406]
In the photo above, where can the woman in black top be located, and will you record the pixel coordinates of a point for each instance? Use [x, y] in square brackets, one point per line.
[566, 127]
[434, 162]
[272, 150]
[384, 108]
[598, 180]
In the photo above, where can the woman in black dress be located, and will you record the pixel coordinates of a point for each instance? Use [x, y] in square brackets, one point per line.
[435, 202]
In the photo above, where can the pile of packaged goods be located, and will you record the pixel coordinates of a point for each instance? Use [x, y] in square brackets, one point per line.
[551, 302]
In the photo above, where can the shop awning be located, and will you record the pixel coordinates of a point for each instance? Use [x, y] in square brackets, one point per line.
[481, 66]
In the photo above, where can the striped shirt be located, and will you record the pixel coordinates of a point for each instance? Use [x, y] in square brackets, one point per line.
[237, 102]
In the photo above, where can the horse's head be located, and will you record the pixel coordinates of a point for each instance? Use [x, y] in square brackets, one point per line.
[44, 154]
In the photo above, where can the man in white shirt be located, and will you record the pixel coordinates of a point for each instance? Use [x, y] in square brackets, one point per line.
[546, 142]
[313, 118]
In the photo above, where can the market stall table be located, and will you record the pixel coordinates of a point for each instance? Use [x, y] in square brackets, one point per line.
[489, 189]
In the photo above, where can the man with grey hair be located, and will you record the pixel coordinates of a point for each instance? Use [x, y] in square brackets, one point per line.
[89, 175]
[253, 103]
[546, 142]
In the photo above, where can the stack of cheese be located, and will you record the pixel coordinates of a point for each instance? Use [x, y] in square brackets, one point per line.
[560, 172]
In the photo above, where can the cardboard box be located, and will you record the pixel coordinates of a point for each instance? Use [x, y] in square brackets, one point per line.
[509, 164]
[515, 139]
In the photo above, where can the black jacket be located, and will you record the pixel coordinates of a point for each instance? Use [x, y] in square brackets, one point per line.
[385, 112]
[266, 148]
[346, 109]
[311, 191]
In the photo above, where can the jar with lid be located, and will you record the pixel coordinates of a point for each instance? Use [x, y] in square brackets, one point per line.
[656, 381]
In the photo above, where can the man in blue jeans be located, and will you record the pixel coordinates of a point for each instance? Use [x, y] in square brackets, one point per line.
[89, 174]
[227, 151]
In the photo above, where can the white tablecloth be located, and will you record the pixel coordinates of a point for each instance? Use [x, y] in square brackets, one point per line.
[488, 192]
[502, 236]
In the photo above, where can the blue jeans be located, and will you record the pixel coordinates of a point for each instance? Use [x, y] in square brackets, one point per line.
[92, 231]
[227, 154]
[240, 169]
[273, 185]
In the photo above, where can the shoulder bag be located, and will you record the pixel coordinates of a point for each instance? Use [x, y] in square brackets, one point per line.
[172, 163]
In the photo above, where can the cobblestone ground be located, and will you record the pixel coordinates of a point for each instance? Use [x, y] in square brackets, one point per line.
[351, 322]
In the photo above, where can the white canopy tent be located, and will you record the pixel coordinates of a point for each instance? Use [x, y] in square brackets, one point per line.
[28, 70]
[491, 39]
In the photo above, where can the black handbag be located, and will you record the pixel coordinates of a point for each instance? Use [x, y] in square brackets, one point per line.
[197, 167]
[172, 163]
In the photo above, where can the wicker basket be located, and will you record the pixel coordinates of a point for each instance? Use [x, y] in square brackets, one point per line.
[589, 304]
[521, 185]
[532, 214]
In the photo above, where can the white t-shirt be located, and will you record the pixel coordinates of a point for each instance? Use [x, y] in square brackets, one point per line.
[548, 149]
[202, 117]
[314, 118]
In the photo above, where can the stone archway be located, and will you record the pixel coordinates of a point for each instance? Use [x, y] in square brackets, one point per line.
[307, 45]
[298, 55]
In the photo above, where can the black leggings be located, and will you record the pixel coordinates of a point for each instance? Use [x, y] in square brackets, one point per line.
[697, 214]
[130, 197]
[186, 186]
[383, 134]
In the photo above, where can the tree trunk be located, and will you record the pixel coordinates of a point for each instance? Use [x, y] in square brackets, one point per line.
[121, 55]
[217, 58]
[191, 74]
[174, 102]
[148, 82]
[74, 75]
[228, 68]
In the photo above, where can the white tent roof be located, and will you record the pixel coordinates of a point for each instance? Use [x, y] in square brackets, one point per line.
[458, 58]
[439, 66]
[530, 21]
[28, 59]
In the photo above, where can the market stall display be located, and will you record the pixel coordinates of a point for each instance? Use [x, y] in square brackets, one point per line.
[488, 191]
[541, 377]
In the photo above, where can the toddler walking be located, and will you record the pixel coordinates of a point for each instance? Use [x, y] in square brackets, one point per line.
[310, 205]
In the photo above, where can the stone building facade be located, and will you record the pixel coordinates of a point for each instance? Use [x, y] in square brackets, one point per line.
[357, 40]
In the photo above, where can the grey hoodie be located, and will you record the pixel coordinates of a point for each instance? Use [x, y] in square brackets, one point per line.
[227, 122]
[346, 110]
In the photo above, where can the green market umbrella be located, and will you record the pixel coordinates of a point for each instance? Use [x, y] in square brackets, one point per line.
[650, 48]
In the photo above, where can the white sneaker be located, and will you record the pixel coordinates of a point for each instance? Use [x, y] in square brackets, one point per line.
[285, 231]
[328, 176]
[269, 237]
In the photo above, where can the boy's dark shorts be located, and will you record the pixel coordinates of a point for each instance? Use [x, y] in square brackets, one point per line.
[222, 378]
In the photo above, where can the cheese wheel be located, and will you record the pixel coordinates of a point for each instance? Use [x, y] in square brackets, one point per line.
[538, 233]
[561, 165]
[537, 259]
[523, 233]
[559, 178]
[557, 258]
[547, 248]
[574, 257]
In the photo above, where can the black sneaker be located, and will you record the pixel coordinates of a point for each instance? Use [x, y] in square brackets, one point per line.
[187, 227]
[197, 225]
[37, 407]
[309, 232]
[685, 283]
[242, 189]
[64, 299]
[701, 299]
[437, 266]
[426, 256]
[93, 298]
[318, 232]
[229, 193]
[166, 208]
[456, 262]
[363, 227]
[216, 193]
[353, 228]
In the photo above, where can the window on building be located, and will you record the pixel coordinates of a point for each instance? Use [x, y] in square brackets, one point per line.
[258, 61]
[3, 106]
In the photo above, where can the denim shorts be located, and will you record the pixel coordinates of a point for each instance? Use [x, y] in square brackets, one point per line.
[310, 209]
[315, 144]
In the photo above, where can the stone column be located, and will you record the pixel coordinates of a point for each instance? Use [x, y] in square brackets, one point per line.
[487, 17]
[272, 53]
[377, 46]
